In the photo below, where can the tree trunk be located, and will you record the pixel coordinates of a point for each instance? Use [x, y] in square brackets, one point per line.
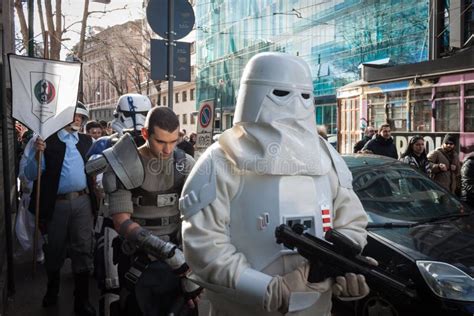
[23, 25]
[41, 18]
[85, 15]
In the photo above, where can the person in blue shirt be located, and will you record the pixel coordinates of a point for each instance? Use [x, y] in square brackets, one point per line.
[66, 216]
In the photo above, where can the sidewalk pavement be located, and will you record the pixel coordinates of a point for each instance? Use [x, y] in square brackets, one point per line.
[29, 292]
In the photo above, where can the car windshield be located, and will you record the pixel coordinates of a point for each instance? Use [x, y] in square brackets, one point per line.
[399, 193]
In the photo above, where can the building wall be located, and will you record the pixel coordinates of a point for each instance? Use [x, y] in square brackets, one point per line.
[184, 104]
[101, 97]
[334, 37]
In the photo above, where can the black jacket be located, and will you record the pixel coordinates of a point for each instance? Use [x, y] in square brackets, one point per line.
[382, 146]
[360, 144]
[54, 157]
[467, 179]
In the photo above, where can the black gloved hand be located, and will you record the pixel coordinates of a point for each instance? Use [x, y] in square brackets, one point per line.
[152, 244]
[191, 292]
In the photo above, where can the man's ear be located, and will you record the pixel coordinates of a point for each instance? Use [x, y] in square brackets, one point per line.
[145, 133]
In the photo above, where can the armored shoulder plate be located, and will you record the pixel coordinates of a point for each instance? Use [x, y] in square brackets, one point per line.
[200, 188]
[343, 172]
[125, 161]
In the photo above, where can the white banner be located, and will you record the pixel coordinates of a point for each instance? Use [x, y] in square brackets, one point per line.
[44, 93]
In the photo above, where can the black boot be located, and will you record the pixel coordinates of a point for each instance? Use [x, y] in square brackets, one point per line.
[51, 296]
[82, 306]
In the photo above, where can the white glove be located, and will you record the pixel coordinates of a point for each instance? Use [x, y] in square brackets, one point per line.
[281, 287]
[351, 286]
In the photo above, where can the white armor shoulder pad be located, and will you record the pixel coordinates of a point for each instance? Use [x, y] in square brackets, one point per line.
[200, 188]
[343, 172]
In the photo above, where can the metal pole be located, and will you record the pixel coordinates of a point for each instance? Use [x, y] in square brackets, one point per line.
[171, 45]
[220, 109]
[31, 46]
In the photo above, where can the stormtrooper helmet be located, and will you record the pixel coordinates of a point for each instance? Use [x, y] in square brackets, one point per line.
[131, 112]
[275, 87]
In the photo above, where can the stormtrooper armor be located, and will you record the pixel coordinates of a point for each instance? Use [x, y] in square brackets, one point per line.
[270, 168]
[130, 112]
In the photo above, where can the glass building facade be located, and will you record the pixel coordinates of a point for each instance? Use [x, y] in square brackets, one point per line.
[333, 36]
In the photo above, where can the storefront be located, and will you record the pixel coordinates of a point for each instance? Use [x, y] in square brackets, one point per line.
[429, 99]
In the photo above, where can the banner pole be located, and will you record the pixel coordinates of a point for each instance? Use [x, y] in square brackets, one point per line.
[37, 206]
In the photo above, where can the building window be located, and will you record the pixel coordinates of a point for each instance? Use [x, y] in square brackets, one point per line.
[185, 96]
[192, 118]
[469, 90]
[397, 110]
[176, 97]
[469, 116]
[420, 106]
[185, 118]
[164, 100]
[447, 116]
[192, 94]
[376, 104]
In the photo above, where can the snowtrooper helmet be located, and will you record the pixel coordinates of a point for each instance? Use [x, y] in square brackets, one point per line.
[275, 87]
[131, 112]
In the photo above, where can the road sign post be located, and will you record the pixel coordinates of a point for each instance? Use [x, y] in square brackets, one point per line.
[171, 19]
[204, 127]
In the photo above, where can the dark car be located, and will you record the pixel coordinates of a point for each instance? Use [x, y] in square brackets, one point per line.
[418, 232]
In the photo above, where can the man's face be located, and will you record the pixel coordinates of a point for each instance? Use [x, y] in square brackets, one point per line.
[161, 142]
[77, 123]
[370, 131]
[385, 132]
[95, 132]
[448, 146]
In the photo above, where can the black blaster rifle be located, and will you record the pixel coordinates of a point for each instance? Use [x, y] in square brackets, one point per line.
[336, 256]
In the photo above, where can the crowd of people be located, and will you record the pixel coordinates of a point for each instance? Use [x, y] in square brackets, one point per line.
[74, 203]
[127, 203]
[442, 164]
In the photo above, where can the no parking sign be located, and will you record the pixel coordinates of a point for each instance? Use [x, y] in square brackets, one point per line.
[205, 125]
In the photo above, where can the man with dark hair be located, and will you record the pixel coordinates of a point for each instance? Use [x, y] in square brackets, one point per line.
[445, 165]
[93, 129]
[103, 126]
[185, 145]
[382, 144]
[147, 216]
[65, 209]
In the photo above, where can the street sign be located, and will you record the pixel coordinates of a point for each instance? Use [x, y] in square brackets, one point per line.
[157, 16]
[205, 124]
[181, 57]
[205, 115]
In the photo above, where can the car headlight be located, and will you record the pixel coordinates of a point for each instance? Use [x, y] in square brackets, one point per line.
[447, 281]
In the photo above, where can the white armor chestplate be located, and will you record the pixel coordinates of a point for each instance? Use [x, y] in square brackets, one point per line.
[266, 201]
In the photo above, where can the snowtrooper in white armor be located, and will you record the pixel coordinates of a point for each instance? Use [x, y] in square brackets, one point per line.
[270, 168]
